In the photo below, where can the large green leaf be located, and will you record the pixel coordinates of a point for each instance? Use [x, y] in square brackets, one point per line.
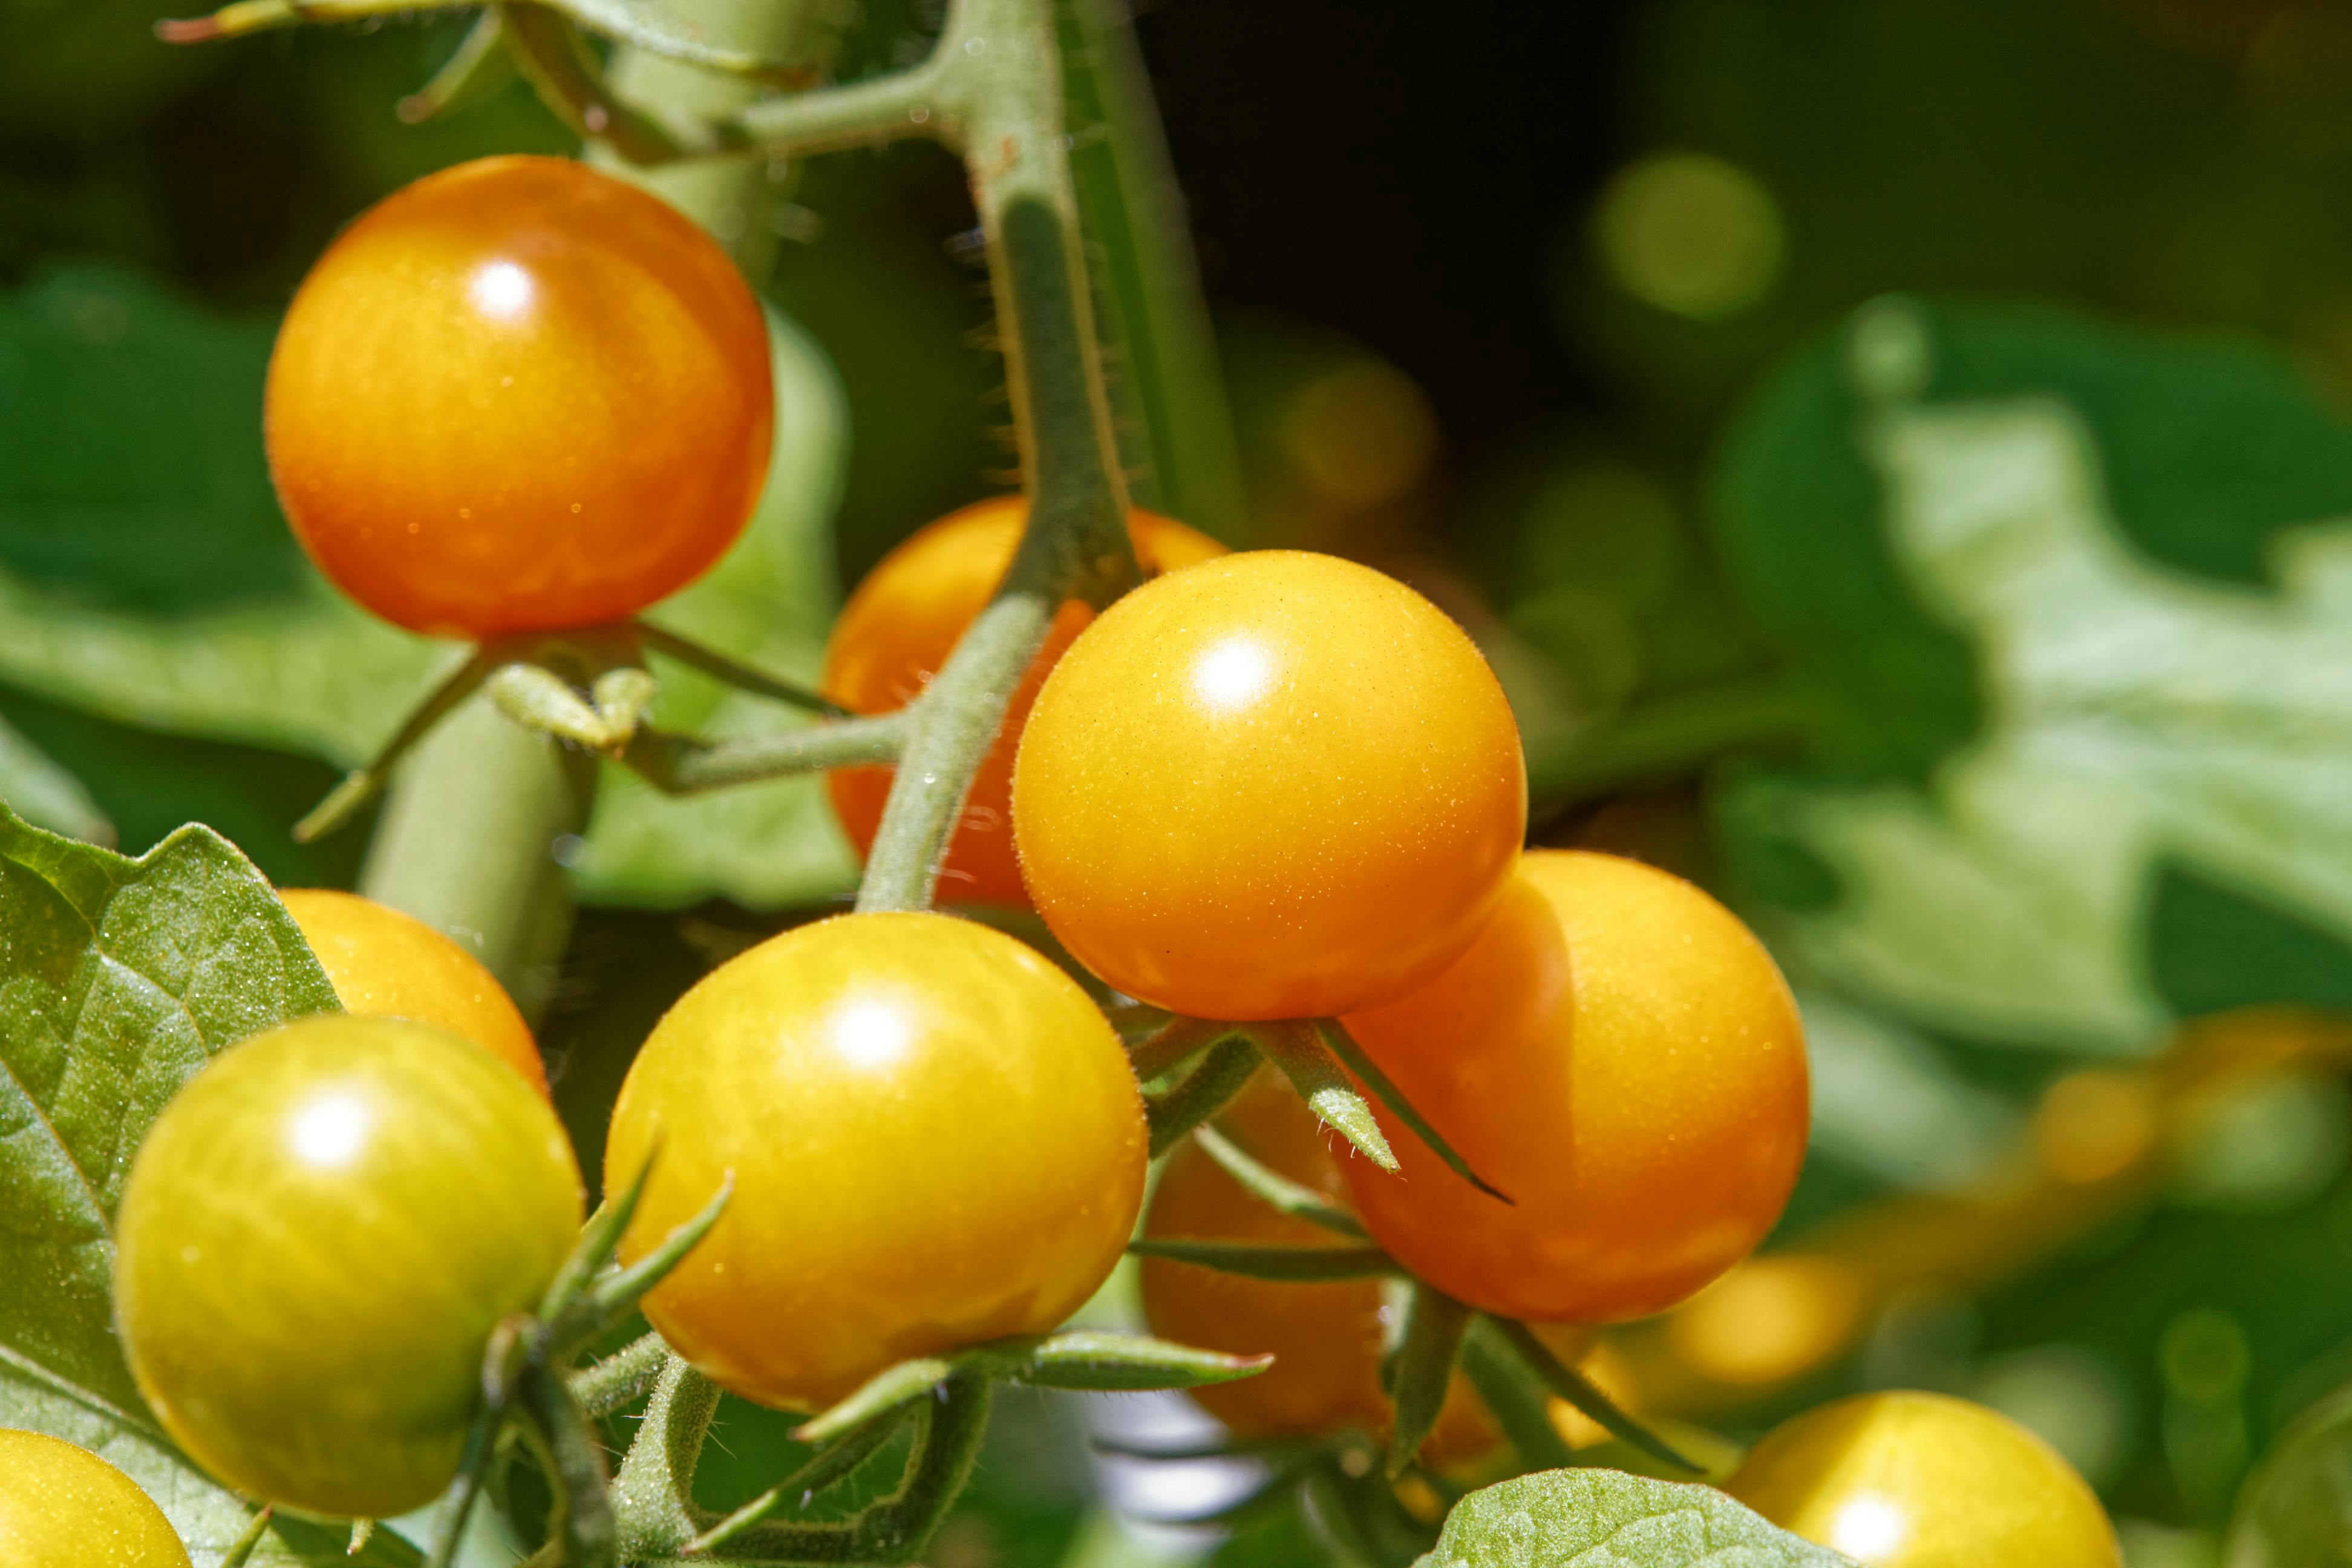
[1606, 1519]
[123, 978]
[149, 578]
[2019, 493]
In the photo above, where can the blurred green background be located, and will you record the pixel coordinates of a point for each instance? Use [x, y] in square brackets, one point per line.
[1893, 451]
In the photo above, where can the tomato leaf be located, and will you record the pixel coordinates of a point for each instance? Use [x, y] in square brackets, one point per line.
[148, 577]
[2047, 569]
[1606, 1519]
[124, 977]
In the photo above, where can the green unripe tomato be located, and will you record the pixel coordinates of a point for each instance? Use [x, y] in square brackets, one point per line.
[317, 1236]
[63, 1506]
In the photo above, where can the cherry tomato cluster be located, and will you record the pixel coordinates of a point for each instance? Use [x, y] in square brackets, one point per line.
[1264, 786]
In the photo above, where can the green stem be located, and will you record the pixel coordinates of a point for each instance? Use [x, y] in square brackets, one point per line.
[678, 764]
[654, 1493]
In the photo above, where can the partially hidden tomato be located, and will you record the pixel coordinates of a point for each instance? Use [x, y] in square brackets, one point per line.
[900, 625]
[1326, 1338]
[1620, 1055]
[63, 1507]
[388, 965]
[316, 1239]
[934, 1136]
[1925, 1480]
[1277, 784]
[519, 396]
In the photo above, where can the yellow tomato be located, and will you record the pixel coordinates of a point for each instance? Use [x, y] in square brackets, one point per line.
[1326, 1338]
[519, 396]
[1272, 786]
[316, 1237]
[63, 1506]
[900, 625]
[1924, 1480]
[387, 965]
[1620, 1055]
[935, 1140]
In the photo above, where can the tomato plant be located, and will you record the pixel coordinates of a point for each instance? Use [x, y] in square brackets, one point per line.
[1620, 1056]
[900, 625]
[1326, 1338]
[63, 1507]
[315, 1241]
[388, 965]
[519, 396]
[1925, 1480]
[1276, 785]
[859, 1079]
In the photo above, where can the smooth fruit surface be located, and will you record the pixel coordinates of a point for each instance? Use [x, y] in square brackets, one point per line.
[934, 1136]
[316, 1237]
[1620, 1055]
[388, 965]
[1272, 786]
[519, 396]
[1925, 1480]
[1325, 1338]
[63, 1507]
[900, 625]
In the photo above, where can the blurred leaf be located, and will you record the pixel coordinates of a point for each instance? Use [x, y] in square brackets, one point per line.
[124, 978]
[2295, 1510]
[1605, 1519]
[1993, 466]
[151, 581]
[44, 794]
[1885, 1100]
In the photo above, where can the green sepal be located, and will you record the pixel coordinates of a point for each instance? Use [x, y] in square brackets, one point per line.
[593, 1251]
[1420, 1372]
[840, 1460]
[360, 786]
[1580, 1391]
[1316, 1074]
[1271, 1450]
[1118, 1363]
[1343, 1045]
[1273, 1188]
[1199, 1094]
[1171, 1044]
[735, 673]
[885, 1391]
[1516, 1397]
[584, 1531]
[621, 1378]
[1269, 1260]
[615, 1295]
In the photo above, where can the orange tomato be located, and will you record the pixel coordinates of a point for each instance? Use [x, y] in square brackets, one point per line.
[934, 1136]
[900, 625]
[1925, 1480]
[1272, 785]
[519, 396]
[387, 965]
[1619, 1055]
[1326, 1338]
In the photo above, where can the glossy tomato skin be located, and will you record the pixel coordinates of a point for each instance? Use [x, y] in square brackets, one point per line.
[1620, 1055]
[1925, 1480]
[519, 396]
[63, 1507]
[1273, 786]
[934, 1136]
[1326, 1338]
[316, 1237]
[388, 965]
[900, 625]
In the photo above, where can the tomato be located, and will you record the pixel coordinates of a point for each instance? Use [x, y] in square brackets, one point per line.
[1925, 1480]
[1326, 1338]
[1272, 785]
[519, 396]
[63, 1506]
[388, 965]
[900, 625]
[316, 1237]
[1619, 1055]
[934, 1136]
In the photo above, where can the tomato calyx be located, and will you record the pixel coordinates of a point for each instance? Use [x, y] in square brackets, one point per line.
[589, 686]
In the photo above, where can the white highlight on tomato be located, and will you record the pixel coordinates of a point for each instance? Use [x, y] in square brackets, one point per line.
[1234, 672]
[870, 1032]
[501, 290]
[1868, 1528]
[330, 1130]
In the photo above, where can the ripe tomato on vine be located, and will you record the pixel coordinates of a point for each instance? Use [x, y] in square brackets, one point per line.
[63, 1506]
[1619, 1055]
[899, 627]
[519, 396]
[1273, 786]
